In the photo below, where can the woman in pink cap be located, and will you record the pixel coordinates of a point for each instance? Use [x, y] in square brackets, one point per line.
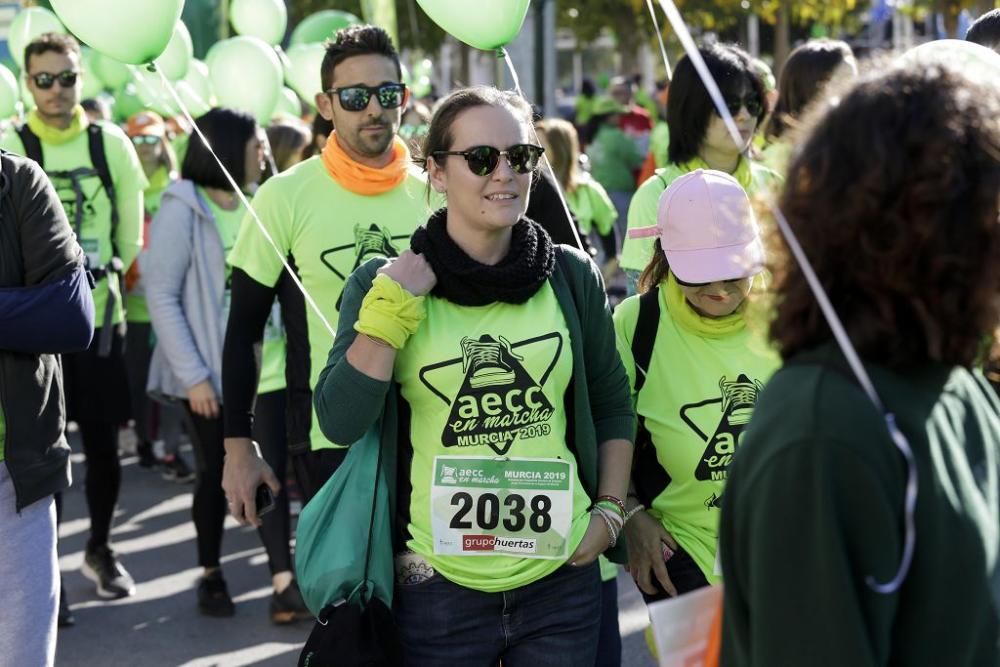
[696, 366]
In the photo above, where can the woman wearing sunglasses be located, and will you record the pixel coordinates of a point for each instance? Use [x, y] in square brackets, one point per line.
[699, 139]
[489, 354]
[697, 364]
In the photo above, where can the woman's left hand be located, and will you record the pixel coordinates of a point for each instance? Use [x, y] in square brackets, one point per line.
[595, 542]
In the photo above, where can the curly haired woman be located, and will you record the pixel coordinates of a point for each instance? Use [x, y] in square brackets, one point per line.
[899, 216]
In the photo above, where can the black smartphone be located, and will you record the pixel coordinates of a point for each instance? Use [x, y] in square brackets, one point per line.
[263, 500]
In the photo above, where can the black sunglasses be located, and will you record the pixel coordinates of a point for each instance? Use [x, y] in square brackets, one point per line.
[356, 98]
[483, 160]
[66, 79]
[731, 281]
[751, 102]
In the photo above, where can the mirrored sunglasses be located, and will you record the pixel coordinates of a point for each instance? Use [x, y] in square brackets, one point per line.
[356, 98]
[44, 80]
[483, 160]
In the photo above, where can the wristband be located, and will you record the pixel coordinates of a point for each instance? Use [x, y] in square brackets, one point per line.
[389, 312]
[613, 500]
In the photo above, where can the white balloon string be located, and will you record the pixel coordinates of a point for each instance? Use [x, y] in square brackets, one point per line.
[659, 38]
[545, 160]
[833, 320]
[239, 193]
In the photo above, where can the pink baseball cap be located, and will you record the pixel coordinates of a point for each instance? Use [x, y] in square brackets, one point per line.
[707, 228]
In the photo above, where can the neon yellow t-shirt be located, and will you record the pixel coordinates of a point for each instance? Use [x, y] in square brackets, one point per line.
[659, 143]
[94, 234]
[136, 308]
[701, 387]
[755, 178]
[328, 231]
[591, 206]
[496, 500]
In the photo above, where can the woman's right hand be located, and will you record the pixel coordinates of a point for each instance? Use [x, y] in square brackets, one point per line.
[412, 272]
[203, 400]
[646, 537]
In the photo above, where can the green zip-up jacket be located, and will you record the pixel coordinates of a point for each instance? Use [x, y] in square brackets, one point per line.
[348, 402]
[815, 505]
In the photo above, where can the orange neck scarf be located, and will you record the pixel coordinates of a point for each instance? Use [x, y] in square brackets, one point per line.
[361, 179]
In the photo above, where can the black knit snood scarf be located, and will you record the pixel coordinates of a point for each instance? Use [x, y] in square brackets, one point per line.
[466, 282]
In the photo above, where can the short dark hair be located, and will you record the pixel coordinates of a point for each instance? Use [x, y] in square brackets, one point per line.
[54, 42]
[808, 69]
[357, 40]
[898, 215]
[689, 107]
[228, 132]
[986, 30]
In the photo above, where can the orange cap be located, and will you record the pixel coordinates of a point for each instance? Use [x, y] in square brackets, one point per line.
[147, 123]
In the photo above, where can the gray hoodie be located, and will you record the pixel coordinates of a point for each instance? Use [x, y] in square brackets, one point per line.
[185, 275]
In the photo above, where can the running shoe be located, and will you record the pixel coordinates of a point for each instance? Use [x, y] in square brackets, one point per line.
[102, 566]
[288, 606]
[213, 596]
[176, 470]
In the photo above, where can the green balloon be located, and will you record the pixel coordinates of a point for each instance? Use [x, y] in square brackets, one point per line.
[150, 90]
[199, 80]
[112, 73]
[266, 19]
[195, 103]
[176, 59]
[92, 83]
[26, 26]
[303, 72]
[9, 93]
[127, 103]
[289, 103]
[484, 25]
[322, 26]
[246, 74]
[127, 30]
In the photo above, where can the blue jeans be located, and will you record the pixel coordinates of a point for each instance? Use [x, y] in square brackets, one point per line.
[554, 621]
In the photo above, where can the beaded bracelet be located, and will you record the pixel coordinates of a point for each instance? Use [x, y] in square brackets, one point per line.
[615, 500]
[635, 510]
[612, 535]
[611, 507]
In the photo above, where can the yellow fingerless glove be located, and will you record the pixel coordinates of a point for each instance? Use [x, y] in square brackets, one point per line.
[389, 312]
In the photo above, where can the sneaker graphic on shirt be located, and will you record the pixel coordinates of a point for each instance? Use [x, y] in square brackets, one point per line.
[483, 361]
[735, 402]
[369, 241]
[498, 399]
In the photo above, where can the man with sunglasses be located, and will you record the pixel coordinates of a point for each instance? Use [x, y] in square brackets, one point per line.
[361, 198]
[97, 176]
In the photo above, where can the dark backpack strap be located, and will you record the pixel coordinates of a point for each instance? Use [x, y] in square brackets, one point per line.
[32, 144]
[648, 475]
[645, 334]
[95, 138]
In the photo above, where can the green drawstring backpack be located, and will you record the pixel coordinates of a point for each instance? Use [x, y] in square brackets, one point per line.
[344, 561]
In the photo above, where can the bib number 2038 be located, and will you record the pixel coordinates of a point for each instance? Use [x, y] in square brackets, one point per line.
[515, 512]
[483, 506]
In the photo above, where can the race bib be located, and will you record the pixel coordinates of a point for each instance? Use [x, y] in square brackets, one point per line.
[482, 506]
[92, 249]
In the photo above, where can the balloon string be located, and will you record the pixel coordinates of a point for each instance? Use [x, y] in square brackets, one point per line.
[833, 320]
[545, 160]
[659, 38]
[239, 193]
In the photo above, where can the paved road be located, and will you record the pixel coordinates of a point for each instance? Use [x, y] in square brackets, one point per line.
[160, 625]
